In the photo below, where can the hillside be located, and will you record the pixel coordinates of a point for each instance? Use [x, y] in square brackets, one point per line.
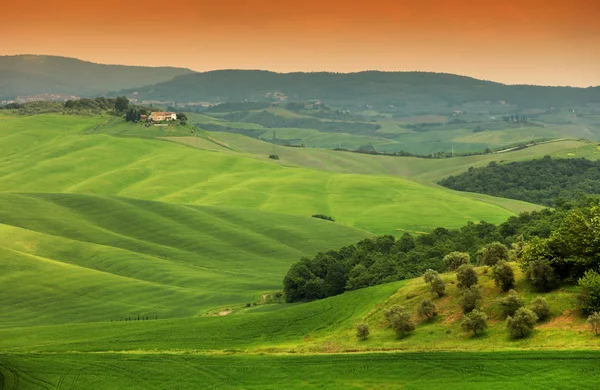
[49, 153]
[412, 91]
[75, 258]
[24, 75]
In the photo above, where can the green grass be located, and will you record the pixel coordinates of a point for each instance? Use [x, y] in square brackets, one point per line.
[529, 370]
[61, 159]
[74, 258]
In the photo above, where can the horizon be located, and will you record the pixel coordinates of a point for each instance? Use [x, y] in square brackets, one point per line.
[300, 71]
[530, 42]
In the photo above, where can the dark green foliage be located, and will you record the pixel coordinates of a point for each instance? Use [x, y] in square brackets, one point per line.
[121, 104]
[362, 331]
[541, 275]
[492, 253]
[471, 299]
[438, 286]
[384, 259]
[589, 295]
[511, 303]
[323, 216]
[426, 309]
[453, 260]
[274, 157]
[400, 320]
[181, 116]
[521, 324]
[540, 307]
[466, 276]
[594, 322]
[540, 181]
[503, 275]
[475, 321]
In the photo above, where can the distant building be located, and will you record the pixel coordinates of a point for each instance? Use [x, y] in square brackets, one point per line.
[162, 116]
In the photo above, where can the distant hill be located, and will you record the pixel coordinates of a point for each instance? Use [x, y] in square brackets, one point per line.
[25, 75]
[415, 89]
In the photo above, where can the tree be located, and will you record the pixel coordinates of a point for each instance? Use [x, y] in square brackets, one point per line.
[540, 307]
[589, 295]
[594, 322]
[503, 275]
[492, 253]
[466, 276]
[471, 299]
[453, 260]
[429, 275]
[438, 286]
[400, 320]
[181, 116]
[511, 303]
[521, 324]
[426, 309]
[121, 104]
[475, 321]
[362, 331]
[541, 275]
[405, 243]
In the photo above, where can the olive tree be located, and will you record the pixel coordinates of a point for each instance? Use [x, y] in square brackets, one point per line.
[503, 275]
[475, 321]
[400, 320]
[362, 331]
[471, 299]
[511, 303]
[493, 253]
[453, 260]
[594, 322]
[438, 286]
[426, 309]
[540, 307]
[521, 324]
[466, 276]
[429, 275]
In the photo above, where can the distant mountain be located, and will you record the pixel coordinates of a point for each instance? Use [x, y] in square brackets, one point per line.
[25, 75]
[417, 89]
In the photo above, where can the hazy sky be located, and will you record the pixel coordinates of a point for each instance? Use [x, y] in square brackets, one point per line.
[528, 41]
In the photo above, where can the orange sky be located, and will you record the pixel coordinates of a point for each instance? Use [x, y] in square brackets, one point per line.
[528, 41]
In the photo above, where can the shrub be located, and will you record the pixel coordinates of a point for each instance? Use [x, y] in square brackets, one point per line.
[541, 275]
[362, 331]
[511, 303]
[521, 324]
[475, 321]
[426, 309]
[589, 296]
[493, 253]
[453, 260]
[438, 286]
[274, 157]
[540, 307]
[323, 216]
[466, 276]
[429, 275]
[471, 299]
[594, 322]
[503, 275]
[400, 320]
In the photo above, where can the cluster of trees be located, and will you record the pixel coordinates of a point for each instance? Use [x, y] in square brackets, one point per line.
[384, 259]
[80, 106]
[540, 181]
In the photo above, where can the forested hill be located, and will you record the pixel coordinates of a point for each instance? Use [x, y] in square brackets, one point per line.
[26, 75]
[372, 87]
[540, 181]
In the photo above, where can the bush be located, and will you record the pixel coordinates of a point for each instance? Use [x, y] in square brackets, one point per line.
[438, 286]
[540, 307]
[541, 275]
[322, 216]
[429, 275]
[426, 309]
[511, 303]
[493, 253]
[466, 276]
[589, 296]
[400, 320]
[274, 157]
[475, 321]
[471, 299]
[594, 322]
[503, 275]
[362, 331]
[521, 324]
[453, 260]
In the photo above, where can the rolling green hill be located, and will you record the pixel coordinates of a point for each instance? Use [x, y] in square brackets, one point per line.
[24, 75]
[49, 153]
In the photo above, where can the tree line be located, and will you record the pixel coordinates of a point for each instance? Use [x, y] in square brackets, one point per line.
[544, 181]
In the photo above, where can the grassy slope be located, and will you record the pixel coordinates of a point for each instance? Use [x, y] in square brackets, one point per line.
[72, 258]
[48, 154]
